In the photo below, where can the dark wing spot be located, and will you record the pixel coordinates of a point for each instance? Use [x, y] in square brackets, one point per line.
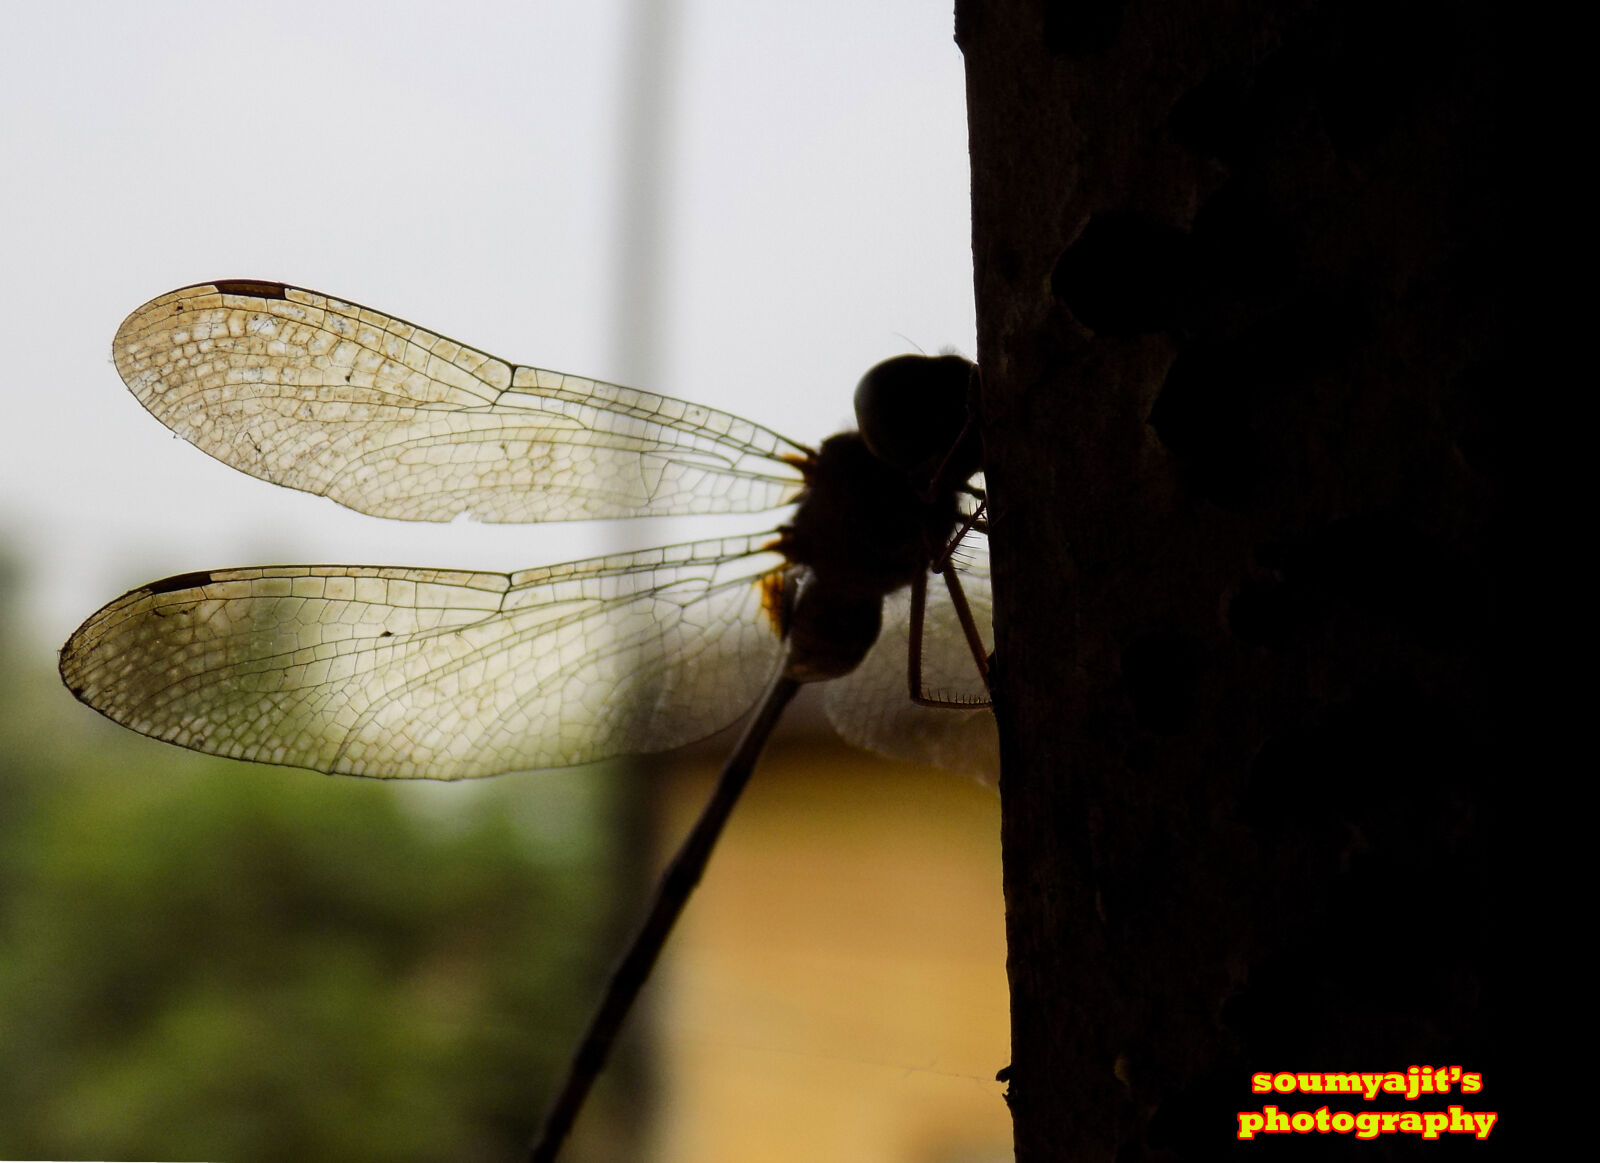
[251, 288]
[182, 581]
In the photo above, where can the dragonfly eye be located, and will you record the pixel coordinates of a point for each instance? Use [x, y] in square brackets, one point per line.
[912, 410]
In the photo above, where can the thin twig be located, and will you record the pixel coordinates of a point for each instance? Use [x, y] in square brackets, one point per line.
[672, 893]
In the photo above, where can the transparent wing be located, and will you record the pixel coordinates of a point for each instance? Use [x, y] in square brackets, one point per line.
[386, 418]
[438, 674]
[871, 706]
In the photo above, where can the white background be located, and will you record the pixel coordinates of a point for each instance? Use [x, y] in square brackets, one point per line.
[459, 169]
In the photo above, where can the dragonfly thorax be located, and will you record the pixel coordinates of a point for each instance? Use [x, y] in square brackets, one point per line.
[864, 528]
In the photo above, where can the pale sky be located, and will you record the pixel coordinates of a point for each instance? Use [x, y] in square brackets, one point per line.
[458, 169]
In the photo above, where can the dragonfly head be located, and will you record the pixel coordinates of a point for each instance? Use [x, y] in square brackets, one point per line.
[912, 411]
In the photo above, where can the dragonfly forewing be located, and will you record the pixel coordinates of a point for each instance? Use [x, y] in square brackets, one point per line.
[387, 418]
[440, 674]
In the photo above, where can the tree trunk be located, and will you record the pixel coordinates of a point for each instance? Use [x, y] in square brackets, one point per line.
[1237, 270]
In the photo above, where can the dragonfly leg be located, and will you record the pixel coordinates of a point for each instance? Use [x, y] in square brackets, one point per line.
[973, 520]
[969, 628]
[969, 625]
[919, 605]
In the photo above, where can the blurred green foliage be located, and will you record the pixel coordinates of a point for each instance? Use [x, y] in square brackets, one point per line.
[206, 959]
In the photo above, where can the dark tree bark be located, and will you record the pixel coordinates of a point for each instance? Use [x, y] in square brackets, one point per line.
[1237, 270]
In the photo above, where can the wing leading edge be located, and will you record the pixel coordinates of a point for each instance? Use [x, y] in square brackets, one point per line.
[390, 419]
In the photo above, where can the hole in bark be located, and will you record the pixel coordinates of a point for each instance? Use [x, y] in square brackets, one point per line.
[1124, 275]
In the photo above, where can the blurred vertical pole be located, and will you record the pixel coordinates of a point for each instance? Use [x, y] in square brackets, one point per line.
[644, 174]
[639, 258]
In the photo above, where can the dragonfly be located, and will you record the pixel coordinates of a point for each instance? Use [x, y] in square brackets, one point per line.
[402, 672]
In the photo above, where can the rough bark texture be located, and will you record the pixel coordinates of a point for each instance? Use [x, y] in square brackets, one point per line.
[1237, 270]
